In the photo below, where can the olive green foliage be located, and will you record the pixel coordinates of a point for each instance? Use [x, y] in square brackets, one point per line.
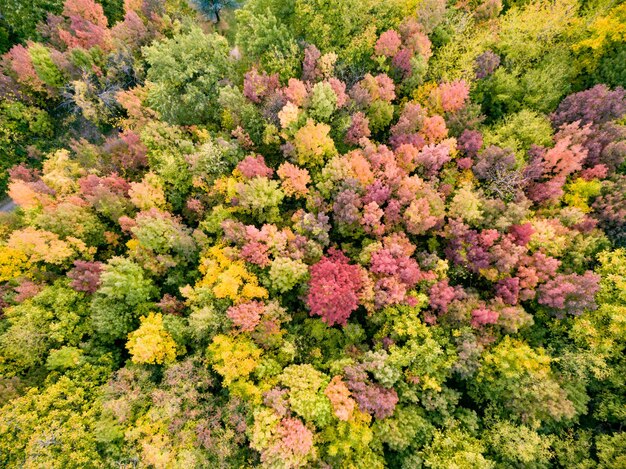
[22, 127]
[184, 74]
[56, 316]
[125, 294]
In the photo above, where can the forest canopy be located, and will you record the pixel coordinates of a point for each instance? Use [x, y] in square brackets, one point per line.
[289, 234]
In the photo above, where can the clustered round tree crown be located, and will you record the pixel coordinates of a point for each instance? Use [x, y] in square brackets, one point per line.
[373, 251]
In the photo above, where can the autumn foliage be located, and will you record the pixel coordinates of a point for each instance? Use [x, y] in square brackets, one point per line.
[288, 234]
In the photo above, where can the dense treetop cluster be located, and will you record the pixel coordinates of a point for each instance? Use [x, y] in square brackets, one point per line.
[294, 234]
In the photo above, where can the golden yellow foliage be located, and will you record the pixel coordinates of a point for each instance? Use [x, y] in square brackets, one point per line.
[229, 279]
[233, 358]
[603, 33]
[13, 263]
[151, 343]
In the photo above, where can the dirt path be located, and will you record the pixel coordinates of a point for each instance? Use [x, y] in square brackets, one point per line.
[7, 205]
